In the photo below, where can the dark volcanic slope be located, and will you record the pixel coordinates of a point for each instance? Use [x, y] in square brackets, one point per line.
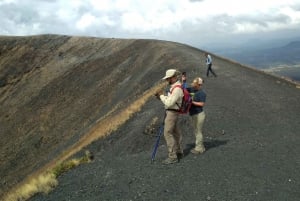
[69, 83]
[54, 88]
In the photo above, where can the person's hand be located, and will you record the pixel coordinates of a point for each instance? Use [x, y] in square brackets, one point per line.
[157, 94]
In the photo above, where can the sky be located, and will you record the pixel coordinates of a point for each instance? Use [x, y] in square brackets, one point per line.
[194, 22]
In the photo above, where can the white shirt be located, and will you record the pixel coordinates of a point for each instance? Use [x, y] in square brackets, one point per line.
[173, 100]
[208, 59]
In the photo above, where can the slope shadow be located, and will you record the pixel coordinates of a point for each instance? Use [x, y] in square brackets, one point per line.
[207, 144]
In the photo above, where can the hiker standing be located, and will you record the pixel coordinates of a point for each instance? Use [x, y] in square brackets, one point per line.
[197, 113]
[172, 101]
[209, 65]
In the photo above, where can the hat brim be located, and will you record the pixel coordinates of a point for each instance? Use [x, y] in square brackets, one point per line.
[166, 77]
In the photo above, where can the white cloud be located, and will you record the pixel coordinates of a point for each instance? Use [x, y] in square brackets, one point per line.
[6, 1]
[181, 20]
[85, 21]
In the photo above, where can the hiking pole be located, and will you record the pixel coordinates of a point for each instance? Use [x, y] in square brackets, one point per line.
[160, 132]
[161, 129]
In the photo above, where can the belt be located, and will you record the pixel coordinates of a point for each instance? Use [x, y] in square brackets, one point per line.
[173, 110]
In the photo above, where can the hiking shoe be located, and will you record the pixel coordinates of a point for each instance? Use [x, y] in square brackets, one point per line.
[193, 151]
[180, 155]
[170, 161]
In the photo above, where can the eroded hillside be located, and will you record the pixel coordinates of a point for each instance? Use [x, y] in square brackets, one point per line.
[55, 88]
[58, 94]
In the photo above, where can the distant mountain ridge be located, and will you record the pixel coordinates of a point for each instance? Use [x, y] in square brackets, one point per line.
[266, 58]
[293, 44]
[283, 60]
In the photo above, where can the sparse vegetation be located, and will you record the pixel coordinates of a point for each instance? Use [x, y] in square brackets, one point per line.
[150, 129]
[66, 97]
[67, 165]
[45, 182]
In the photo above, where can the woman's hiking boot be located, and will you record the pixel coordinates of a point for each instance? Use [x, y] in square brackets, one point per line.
[194, 151]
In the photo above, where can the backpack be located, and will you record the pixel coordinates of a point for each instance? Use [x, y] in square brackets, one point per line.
[186, 100]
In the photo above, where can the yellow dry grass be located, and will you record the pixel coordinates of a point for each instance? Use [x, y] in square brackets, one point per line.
[44, 180]
[43, 183]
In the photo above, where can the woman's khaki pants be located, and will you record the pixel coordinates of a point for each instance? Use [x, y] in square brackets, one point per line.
[198, 121]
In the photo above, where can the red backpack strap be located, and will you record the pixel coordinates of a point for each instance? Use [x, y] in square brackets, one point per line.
[178, 85]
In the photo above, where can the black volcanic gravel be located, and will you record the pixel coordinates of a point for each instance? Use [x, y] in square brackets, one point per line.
[252, 140]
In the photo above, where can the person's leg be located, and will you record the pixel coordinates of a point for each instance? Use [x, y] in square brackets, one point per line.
[178, 141]
[207, 71]
[194, 124]
[170, 124]
[212, 71]
[198, 121]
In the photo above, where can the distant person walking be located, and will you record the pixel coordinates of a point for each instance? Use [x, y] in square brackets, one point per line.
[197, 113]
[209, 65]
[171, 102]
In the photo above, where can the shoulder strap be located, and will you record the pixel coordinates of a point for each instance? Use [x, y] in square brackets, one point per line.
[179, 86]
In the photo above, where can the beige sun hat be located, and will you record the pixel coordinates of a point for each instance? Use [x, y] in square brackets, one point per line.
[197, 81]
[170, 73]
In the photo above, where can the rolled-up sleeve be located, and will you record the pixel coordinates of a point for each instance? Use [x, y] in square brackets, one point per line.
[173, 101]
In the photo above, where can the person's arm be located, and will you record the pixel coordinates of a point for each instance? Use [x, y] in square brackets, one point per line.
[171, 100]
[209, 59]
[199, 104]
[199, 99]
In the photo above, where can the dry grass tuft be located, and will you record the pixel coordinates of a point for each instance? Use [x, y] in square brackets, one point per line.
[103, 128]
[45, 182]
[68, 165]
[150, 129]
